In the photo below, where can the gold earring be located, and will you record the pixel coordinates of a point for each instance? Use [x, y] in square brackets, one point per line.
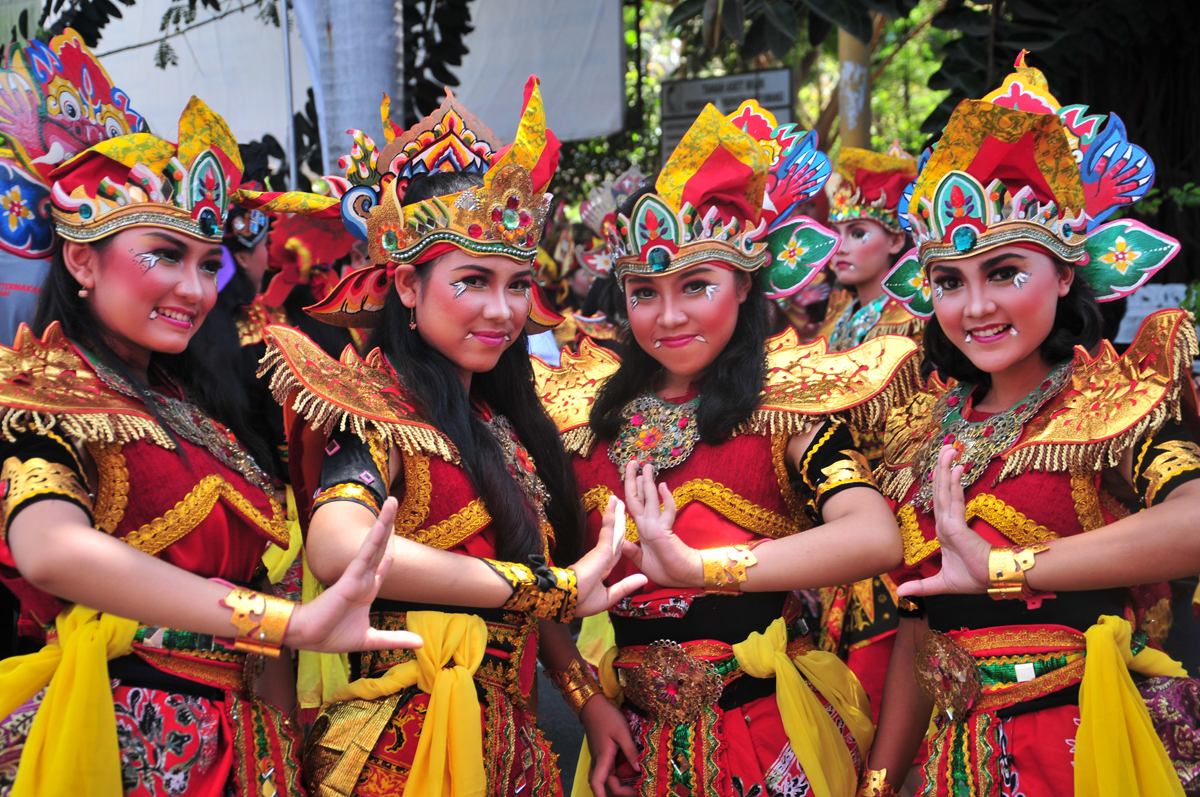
[412, 317]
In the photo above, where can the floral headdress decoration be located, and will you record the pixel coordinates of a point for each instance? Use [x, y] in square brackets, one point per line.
[729, 194]
[57, 101]
[871, 185]
[504, 216]
[599, 213]
[1018, 167]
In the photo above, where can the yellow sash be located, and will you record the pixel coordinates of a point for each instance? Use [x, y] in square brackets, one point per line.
[72, 745]
[449, 756]
[812, 733]
[1117, 751]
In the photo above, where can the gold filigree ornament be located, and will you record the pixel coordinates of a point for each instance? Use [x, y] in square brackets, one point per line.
[655, 433]
[261, 620]
[671, 685]
[947, 675]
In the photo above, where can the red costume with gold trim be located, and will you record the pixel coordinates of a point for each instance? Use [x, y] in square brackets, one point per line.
[187, 494]
[740, 491]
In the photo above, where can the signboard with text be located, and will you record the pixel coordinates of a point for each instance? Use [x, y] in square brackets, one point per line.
[682, 100]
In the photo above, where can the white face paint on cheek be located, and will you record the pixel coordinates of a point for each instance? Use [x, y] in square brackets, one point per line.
[459, 286]
[1020, 279]
[148, 260]
[710, 291]
[632, 302]
[938, 293]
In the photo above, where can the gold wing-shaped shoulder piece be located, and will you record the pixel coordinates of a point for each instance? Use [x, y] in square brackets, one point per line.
[46, 383]
[568, 391]
[253, 320]
[1112, 402]
[806, 383]
[906, 429]
[348, 393]
[896, 320]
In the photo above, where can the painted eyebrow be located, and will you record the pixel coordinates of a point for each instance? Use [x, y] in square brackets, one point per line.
[693, 272]
[998, 259]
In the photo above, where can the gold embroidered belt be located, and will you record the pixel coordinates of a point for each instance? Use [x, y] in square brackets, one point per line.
[989, 669]
[677, 681]
[509, 662]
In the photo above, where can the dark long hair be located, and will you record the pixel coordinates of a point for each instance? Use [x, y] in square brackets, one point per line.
[508, 389]
[729, 389]
[1077, 322]
[205, 383]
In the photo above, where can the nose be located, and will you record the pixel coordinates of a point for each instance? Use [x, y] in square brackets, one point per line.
[496, 309]
[979, 304]
[672, 314]
[189, 287]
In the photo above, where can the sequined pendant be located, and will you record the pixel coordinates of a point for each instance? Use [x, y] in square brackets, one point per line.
[655, 433]
[947, 675]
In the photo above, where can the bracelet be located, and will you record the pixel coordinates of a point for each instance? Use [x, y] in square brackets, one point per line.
[261, 620]
[1007, 567]
[722, 578]
[576, 685]
[874, 784]
[541, 590]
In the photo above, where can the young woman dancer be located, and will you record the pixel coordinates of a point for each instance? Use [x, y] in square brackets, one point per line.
[443, 415]
[1045, 435]
[718, 676]
[135, 506]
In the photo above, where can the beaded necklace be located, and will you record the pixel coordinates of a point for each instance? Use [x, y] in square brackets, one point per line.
[979, 442]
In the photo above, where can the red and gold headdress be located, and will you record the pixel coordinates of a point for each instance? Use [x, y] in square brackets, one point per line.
[871, 185]
[57, 101]
[303, 249]
[729, 194]
[599, 213]
[1018, 167]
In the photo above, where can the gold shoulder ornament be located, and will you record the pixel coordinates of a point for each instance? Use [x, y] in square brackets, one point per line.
[350, 393]
[47, 383]
[568, 391]
[805, 383]
[1106, 406]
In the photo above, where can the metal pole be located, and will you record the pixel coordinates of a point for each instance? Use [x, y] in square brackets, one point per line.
[293, 185]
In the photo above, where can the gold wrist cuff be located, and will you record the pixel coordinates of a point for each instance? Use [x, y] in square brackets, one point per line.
[576, 685]
[261, 621]
[549, 592]
[1007, 567]
[874, 784]
[725, 568]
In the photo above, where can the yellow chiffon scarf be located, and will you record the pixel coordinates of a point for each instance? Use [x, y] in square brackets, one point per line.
[1117, 751]
[813, 735]
[72, 745]
[449, 756]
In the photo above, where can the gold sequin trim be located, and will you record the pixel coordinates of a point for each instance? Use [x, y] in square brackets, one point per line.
[456, 529]
[1087, 501]
[736, 509]
[380, 455]
[189, 513]
[852, 470]
[779, 444]
[112, 491]
[418, 490]
[347, 491]
[33, 477]
[1019, 638]
[916, 547]
[1156, 621]
[70, 448]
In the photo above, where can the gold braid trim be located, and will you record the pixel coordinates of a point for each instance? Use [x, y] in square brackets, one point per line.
[114, 427]
[597, 499]
[773, 422]
[988, 508]
[418, 489]
[853, 470]
[346, 491]
[812, 450]
[409, 436]
[33, 477]
[70, 450]
[112, 491]
[735, 509]
[1177, 457]
[1086, 498]
[795, 505]
[187, 514]
[455, 529]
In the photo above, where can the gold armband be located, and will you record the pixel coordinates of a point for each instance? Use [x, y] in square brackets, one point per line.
[874, 784]
[1007, 567]
[725, 568]
[542, 590]
[576, 685]
[261, 620]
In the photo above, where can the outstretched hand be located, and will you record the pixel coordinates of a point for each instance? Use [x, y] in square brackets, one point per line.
[964, 553]
[337, 621]
[660, 554]
[591, 570]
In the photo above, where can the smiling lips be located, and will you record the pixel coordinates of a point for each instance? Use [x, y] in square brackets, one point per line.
[489, 337]
[990, 334]
[679, 341]
[181, 319]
